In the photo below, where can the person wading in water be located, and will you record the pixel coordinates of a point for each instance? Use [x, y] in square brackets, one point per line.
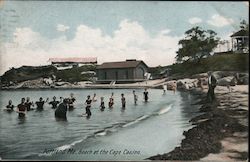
[145, 93]
[135, 97]
[71, 101]
[88, 106]
[28, 104]
[123, 100]
[40, 103]
[10, 106]
[111, 100]
[21, 108]
[102, 106]
[54, 103]
[61, 111]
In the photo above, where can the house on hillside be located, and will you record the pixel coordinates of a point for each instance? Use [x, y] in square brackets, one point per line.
[68, 63]
[240, 41]
[121, 72]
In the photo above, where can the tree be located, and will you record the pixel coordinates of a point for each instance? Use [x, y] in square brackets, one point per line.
[244, 25]
[197, 44]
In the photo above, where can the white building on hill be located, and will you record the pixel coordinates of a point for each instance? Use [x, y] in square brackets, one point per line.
[70, 62]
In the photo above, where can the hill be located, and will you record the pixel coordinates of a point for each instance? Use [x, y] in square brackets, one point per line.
[224, 62]
[24, 73]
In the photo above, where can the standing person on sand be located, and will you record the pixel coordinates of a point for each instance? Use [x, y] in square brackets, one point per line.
[212, 82]
[21, 108]
[145, 93]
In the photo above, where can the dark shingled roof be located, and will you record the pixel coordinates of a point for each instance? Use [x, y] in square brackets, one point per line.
[240, 33]
[121, 64]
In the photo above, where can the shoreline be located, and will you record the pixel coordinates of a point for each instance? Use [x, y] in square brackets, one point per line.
[138, 85]
[216, 131]
[220, 133]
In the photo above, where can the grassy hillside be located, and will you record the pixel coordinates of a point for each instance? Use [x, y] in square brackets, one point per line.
[27, 73]
[226, 62]
[74, 74]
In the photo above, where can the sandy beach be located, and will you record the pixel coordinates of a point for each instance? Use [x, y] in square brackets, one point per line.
[221, 133]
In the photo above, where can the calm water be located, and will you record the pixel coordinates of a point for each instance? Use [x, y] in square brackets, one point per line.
[136, 133]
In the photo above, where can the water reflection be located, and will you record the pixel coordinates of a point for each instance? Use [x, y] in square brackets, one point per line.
[21, 120]
[188, 100]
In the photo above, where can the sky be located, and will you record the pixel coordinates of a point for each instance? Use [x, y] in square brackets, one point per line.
[31, 32]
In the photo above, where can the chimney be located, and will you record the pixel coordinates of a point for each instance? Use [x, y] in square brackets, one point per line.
[131, 60]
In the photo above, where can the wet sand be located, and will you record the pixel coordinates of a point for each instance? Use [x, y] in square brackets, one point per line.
[220, 133]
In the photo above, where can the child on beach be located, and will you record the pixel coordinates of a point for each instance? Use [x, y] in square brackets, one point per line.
[123, 101]
[102, 104]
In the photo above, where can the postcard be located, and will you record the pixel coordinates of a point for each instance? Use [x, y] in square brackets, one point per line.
[124, 80]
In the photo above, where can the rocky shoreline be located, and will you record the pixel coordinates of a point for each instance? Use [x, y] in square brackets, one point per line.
[220, 133]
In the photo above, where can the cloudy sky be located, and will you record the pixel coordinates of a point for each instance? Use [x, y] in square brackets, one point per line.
[33, 31]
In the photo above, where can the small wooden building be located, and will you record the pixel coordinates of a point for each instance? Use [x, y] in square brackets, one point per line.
[122, 72]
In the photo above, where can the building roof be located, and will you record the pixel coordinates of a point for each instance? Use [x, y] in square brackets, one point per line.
[121, 64]
[74, 59]
[240, 33]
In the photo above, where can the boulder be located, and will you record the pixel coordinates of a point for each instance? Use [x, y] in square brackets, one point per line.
[222, 74]
[227, 81]
[186, 84]
[245, 80]
[61, 83]
[201, 75]
[48, 81]
[242, 78]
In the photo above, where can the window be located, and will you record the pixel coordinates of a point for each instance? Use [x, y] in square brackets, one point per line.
[116, 75]
[126, 74]
[105, 75]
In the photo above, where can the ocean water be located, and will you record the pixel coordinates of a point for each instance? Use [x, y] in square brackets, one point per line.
[134, 133]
